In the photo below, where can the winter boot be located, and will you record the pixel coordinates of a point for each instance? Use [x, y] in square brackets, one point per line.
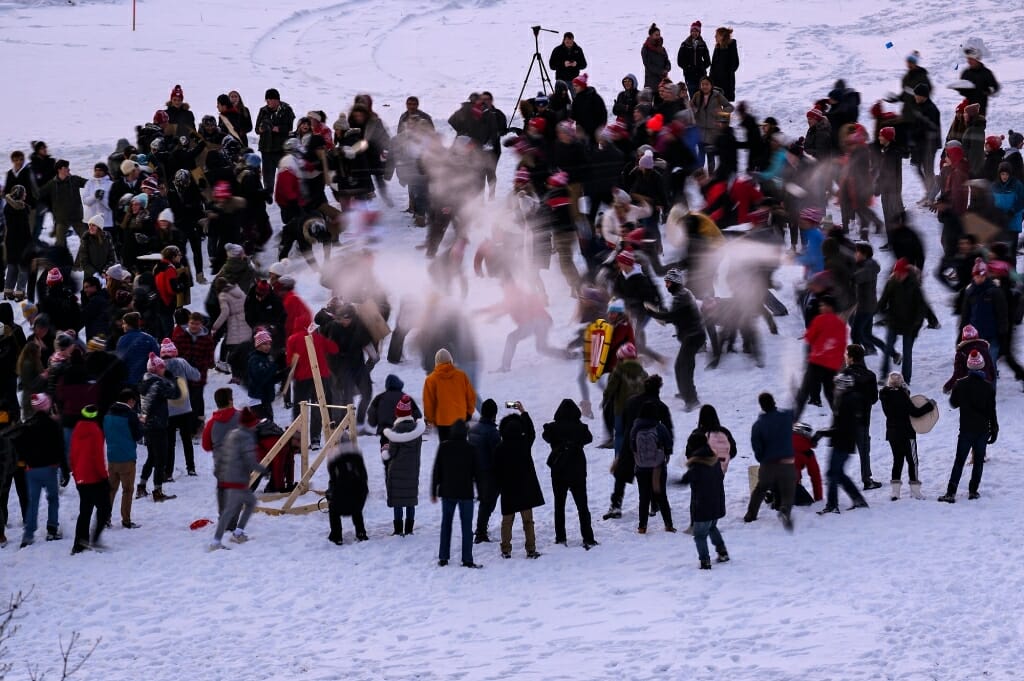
[53, 533]
[587, 409]
[948, 498]
[140, 490]
[896, 484]
[408, 525]
[705, 564]
[398, 529]
[915, 490]
[158, 495]
[613, 512]
[723, 556]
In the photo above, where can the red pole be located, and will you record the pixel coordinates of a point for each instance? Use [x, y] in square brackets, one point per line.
[133, 15]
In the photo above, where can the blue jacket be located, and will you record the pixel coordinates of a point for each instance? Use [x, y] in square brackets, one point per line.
[122, 430]
[771, 436]
[812, 258]
[1009, 198]
[484, 437]
[133, 348]
[262, 370]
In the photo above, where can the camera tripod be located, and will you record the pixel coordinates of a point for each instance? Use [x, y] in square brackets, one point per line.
[545, 79]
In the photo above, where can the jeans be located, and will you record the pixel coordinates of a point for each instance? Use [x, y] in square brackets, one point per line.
[579, 496]
[93, 495]
[465, 507]
[650, 484]
[908, 353]
[965, 442]
[863, 441]
[235, 501]
[39, 479]
[701, 532]
[17, 277]
[270, 159]
[837, 476]
[860, 333]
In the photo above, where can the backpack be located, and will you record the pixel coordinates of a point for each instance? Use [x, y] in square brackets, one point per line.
[719, 444]
[647, 450]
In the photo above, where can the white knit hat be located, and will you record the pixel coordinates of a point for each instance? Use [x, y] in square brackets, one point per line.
[166, 216]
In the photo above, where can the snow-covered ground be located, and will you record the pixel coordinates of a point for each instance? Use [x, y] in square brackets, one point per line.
[911, 590]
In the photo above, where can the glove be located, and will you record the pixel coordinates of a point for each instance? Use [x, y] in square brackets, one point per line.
[993, 435]
[64, 479]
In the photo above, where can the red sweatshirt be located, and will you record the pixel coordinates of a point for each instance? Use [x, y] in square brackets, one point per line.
[827, 337]
[296, 345]
[88, 459]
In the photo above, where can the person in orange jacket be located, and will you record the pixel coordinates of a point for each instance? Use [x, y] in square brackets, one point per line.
[89, 468]
[826, 337]
[448, 395]
[303, 387]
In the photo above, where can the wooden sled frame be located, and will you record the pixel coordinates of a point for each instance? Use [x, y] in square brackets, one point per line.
[348, 422]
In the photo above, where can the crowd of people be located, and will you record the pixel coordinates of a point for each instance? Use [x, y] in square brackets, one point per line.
[124, 356]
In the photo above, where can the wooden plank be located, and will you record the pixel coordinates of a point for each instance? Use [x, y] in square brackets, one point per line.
[304, 438]
[278, 446]
[349, 422]
[288, 381]
[318, 383]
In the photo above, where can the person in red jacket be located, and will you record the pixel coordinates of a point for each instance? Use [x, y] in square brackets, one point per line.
[826, 337]
[303, 387]
[89, 468]
[298, 316]
[803, 457]
[168, 285]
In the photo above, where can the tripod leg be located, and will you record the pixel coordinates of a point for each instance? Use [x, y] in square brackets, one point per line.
[545, 77]
[519, 99]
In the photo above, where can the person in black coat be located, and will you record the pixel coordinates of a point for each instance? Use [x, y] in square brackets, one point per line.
[588, 108]
[693, 58]
[975, 397]
[624, 470]
[985, 83]
[452, 480]
[690, 331]
[725, 61]
[626, 101]
[863, 396]
[707, 498]
[348, 490]
[567, 60]
[517, 479]
[484, 437]
[568, 435]
[845, 422]
[59, 301]
[96, 307]
[727, 148]
[899, 432]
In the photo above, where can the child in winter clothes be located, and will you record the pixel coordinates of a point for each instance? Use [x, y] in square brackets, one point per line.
[898, 408]
[401, 455]
[89, 468]
[348, 490]
[122, 432]
[803, 457]
[969, 341]
[233, 464]
[651, 443]
[452, 480]
[707, 499]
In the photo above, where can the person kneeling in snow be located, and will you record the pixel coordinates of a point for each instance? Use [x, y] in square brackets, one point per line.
[233, 463]
[348, 490]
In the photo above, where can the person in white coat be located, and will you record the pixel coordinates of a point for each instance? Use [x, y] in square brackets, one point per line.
[95, 196]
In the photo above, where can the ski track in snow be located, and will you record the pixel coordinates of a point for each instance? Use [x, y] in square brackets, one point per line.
[908, 591]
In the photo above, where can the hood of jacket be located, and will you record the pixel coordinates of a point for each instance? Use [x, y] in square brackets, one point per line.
[223, 415]
[632, 76]
[567, 411]
[405, 429]
[393, 382]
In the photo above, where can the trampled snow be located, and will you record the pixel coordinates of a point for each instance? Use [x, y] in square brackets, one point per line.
[910, 590]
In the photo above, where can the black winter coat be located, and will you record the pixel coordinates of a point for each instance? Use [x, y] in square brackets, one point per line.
[516, 475]
[694, 59]
[589, 111]
[567, 435]
[976, 399]
[282, 118]
[484, 437]
[349, 483]
[455, 467]
[61, 304]
[405, 441]
[985, 84]
[724, 63]
[562, 54]
[707, 486]
[864, 392]
[898, 409]
[685, 316]
[625, 465]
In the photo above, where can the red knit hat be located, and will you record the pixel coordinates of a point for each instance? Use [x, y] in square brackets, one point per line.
[696, 25]
[975, 361]
[968, 333]
[626, 351]
[888, 134]
[559, 179]
[955, 154]
[541, 124]
[522, 176]
[815, 114]
[962, 105]
[404, 407]
[161, 117]
[262, 288]
[901, 267]
[54, 277]
[626, 258]
[993, 141]
[222, 191]
[580, 80]
[262, 337]
[655, 123]
[155, 363]
[176, 91]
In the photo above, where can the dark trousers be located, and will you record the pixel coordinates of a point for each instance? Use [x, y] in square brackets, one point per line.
[17, 478]
[650, 483]
[335, 520]
[184, 424]
[863, 442]
[156, 458]
[93, 495]
[305, 391]
[487, 491]
[780, 480]
[904, 449]
[198, 402]
[465, 508]
[965, 442]
[816, 378]
[269, 163]
[908, 353]
[579, 496]
[861, 333]
[686, 361]
[837, 476]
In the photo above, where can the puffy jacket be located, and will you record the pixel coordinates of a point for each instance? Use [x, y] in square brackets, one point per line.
[349, 481]
[864, 392]
[122, 431]
[381, 413]
[232, 314]
[705, 113]
[88, 464]
[236, 460]
[975, 397]
[984, 307]
[405, 440]
[1009, 198]
[771, 436]
[97, 205]
[39, 442]
[448, 396]
[156, 391]
[904, 305]
[963, 351]
[261, 376]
